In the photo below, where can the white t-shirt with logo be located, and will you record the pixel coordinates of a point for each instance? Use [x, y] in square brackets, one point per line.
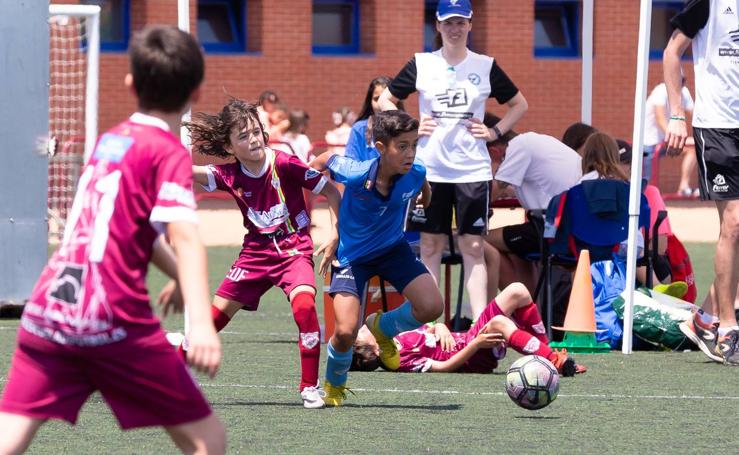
[713, 26]
[452, 95]
[539, 167]
[653, 135]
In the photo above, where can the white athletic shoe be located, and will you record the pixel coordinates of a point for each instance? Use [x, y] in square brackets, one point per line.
[312, 397]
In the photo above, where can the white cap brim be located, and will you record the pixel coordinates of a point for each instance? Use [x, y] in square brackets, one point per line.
[448, 16]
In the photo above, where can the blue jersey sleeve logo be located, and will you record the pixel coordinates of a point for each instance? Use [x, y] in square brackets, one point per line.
[112, 147]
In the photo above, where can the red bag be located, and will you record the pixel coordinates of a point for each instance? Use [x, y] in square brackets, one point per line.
[682, 269]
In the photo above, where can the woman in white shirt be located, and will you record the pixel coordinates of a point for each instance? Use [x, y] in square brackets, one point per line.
[453, 84]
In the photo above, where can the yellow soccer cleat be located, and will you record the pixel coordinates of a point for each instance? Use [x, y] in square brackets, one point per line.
[389, 355]
[335, 395]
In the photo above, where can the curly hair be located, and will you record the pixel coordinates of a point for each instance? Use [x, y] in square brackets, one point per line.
[210, 133]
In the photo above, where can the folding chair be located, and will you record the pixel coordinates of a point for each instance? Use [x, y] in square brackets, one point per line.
[592, 215]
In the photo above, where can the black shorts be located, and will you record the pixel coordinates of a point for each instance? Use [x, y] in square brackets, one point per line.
[717, 151]
[468, 200]
[522, 239]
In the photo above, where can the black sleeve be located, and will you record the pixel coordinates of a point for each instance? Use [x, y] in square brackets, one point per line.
[692, 18]
[405, 82]
[501, 86]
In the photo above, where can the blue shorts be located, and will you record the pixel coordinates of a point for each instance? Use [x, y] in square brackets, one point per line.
[397, 265]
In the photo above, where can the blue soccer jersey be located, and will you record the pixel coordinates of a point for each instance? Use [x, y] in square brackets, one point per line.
[368, 221]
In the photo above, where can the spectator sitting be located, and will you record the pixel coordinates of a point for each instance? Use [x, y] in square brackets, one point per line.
[267, 102]
[339, 135]
[537, 167]
[296, 137]
[576, 134]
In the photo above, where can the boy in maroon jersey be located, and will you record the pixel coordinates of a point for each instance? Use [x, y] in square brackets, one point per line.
[267, 185]
[512, 319]
[88, 325]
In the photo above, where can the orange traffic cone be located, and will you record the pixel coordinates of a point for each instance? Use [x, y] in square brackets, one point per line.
[579, 323]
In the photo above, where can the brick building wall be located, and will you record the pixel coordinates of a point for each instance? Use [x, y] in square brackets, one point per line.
[279, 57]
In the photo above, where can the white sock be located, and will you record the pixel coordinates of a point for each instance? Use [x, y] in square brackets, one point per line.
[722, 331]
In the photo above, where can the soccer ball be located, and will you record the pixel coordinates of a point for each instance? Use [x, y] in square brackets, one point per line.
[532, 382]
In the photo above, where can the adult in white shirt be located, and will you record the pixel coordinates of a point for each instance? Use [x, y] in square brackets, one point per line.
[655, 125]
[710, 26]
[537, 167]
[453, 84]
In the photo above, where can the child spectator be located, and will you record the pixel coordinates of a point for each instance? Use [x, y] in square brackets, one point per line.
[277, 250]
[337, 137]
[361, 145]
[268, 100]
[296, 137]
[88, 325]
[371, 242]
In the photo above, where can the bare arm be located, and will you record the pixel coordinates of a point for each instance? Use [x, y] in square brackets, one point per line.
[424, 198]
[482, 341]
[387, 101]
[164, 258]
[677, 131]
[328, 248]
[517, 106]
[204, 351]
[200, 175]
[320, 162]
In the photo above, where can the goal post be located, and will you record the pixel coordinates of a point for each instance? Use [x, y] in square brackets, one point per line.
[74, 62]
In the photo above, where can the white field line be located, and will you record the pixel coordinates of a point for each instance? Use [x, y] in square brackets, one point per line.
[457, 392]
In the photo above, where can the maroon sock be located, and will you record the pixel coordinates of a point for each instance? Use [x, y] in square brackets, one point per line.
[309, 342]
[525, 343]
[529, 318]
[220, 320]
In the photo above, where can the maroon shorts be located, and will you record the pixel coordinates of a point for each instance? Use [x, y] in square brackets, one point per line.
[259, 267]
[144, 383]
[486, 360]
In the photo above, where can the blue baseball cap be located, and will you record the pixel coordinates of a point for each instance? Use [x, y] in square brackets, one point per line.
[452, 8]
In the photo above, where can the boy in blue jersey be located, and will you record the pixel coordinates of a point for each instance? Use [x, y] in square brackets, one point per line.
[371, 242]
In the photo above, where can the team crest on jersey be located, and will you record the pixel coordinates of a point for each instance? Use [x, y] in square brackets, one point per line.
[408, 195]
[453, 97]
[112, 147]
[474, 78]
[311, 174]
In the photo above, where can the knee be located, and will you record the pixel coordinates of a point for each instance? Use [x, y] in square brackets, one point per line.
[471, 246]
[432, 245]
[730, 226]
[519, 294]
[430, 310]
[499, 323]
[343, 337]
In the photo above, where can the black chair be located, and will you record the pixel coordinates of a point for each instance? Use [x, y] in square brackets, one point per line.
[580, 226]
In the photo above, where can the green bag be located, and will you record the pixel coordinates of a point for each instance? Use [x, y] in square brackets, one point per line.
[657, 317]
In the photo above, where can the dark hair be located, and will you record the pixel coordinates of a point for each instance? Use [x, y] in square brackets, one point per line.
[576, 135]
[600, 154]
[490, 120]
[210, 133]
[364, 358]
[268, 96]
[366, 110]
[298, 119]
[624, 151]
[391, 124]
[167, 65]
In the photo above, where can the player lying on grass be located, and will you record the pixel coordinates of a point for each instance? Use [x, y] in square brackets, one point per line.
[277, 250]
[371, 242]
[512, 319]
[89, 325]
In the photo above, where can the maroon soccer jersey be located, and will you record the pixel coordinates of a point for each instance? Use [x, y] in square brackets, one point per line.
[93, 290]
[271, 202]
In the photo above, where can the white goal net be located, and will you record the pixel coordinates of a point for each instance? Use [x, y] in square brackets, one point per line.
[74, 51]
